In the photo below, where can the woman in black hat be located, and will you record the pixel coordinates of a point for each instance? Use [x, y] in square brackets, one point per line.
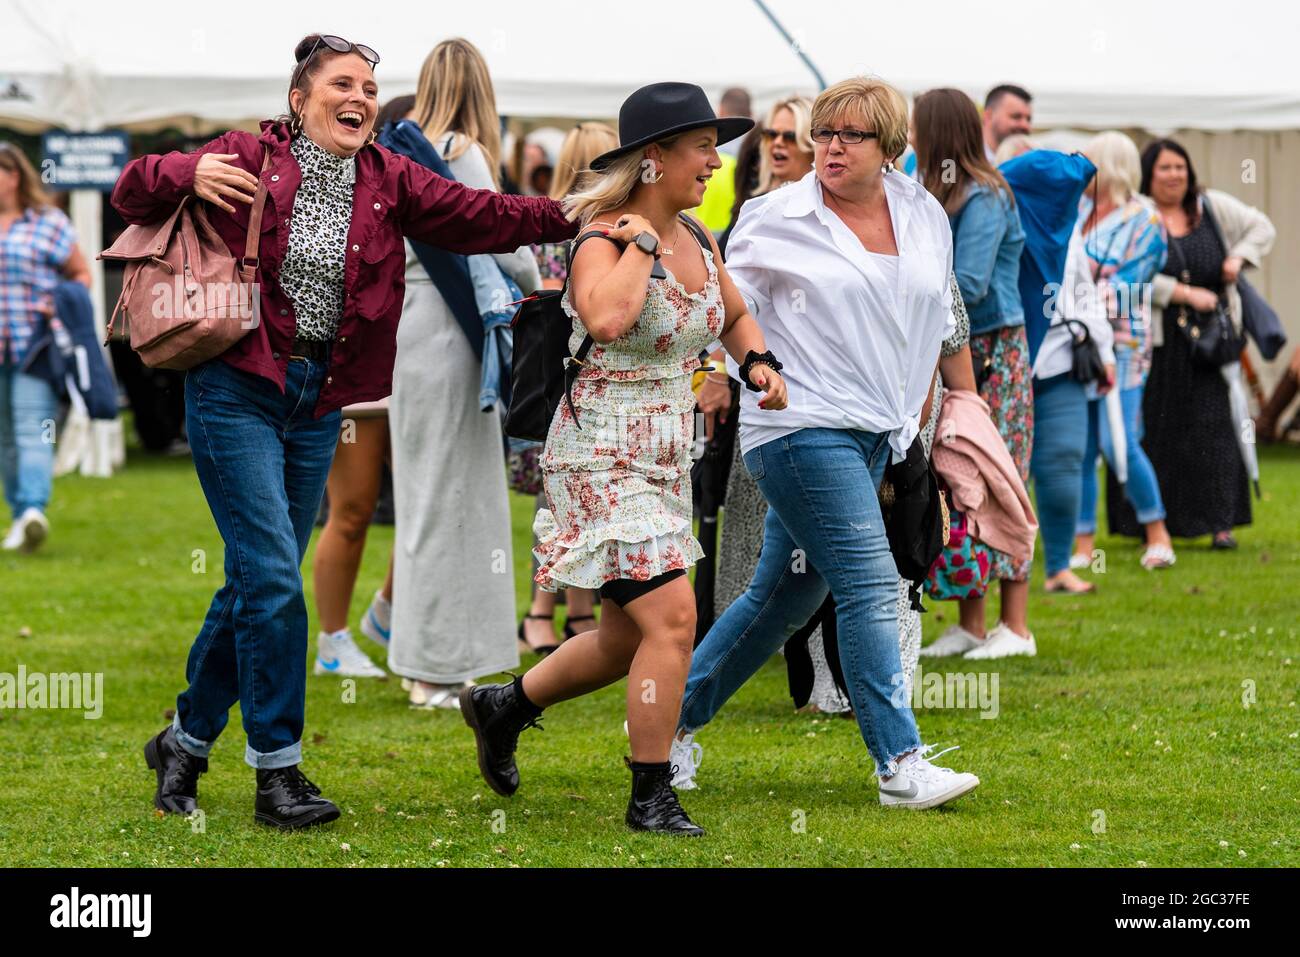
[617, 462]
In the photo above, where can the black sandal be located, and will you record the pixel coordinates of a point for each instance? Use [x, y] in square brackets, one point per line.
[543, 650]
[1223, 542]
[569, 631]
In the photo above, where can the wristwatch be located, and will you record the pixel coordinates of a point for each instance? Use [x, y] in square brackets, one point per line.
[646, 242]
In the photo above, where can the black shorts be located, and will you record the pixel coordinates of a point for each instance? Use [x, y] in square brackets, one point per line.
[623, 590]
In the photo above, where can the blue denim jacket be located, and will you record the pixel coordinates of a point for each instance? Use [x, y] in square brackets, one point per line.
[987, 240]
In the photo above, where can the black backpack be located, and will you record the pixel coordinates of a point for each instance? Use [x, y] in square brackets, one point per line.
[542, 370]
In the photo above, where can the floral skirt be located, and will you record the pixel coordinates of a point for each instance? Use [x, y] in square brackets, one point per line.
[1009, 393]
[620, 499]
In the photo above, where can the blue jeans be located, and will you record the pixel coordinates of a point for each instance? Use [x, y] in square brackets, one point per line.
[262, 461]
[1056, 464]
[823, 532]
[27, 410]
[1142, 488]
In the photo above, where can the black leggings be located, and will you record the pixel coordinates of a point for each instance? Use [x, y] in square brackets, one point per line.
[623, 590]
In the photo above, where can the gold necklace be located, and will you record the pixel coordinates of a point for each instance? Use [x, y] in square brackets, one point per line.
[664, 250]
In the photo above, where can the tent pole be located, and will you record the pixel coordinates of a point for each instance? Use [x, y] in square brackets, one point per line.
[785, 34]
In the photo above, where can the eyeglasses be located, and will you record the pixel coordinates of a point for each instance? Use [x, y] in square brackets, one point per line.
[848, 137]
[338, 45]
[789, 137]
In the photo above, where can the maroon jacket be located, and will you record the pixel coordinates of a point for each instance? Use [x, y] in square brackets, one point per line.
[393, 197]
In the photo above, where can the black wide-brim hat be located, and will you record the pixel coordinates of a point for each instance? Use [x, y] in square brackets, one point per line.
[661, 110]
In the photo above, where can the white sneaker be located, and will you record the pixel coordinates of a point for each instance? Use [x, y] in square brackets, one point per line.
[1079, 561]
[436, 697]
[377, 622]
[919, 785]
[27, 532]
[684, 758]
[955, 640]
[1002, 642]
[338, 654]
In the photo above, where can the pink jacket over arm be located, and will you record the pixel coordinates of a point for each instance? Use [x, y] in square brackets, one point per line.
[972, 458]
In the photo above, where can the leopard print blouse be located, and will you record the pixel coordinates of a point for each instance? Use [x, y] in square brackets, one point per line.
[312, 274]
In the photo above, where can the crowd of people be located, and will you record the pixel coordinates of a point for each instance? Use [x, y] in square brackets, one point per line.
[841, 289]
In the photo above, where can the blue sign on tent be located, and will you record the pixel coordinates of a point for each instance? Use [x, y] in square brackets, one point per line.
[83, 160]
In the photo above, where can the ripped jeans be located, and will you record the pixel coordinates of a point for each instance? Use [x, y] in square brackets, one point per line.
[823, 532]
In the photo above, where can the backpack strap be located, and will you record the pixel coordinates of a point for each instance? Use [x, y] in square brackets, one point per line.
[696, 230]
[574, 364]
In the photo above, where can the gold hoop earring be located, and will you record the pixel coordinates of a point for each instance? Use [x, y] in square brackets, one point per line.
[658, 175]
[295, 125]
[374, 135]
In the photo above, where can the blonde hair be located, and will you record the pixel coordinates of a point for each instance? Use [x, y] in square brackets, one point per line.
[584, 143]
[882, 106]
[31, 195]
[609, 188]
[455, 96]
[801, 108]
[1014, 145]
[1119, 169]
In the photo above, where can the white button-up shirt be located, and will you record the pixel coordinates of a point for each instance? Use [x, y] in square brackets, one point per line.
[859, 340]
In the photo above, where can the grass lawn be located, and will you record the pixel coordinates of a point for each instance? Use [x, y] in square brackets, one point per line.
[1126, 741]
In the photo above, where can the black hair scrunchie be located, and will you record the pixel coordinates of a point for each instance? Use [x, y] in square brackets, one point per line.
[752, 359]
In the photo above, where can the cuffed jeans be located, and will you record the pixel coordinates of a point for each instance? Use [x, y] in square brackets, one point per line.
[1056, 464]
[823, 532]
[28, 406]
[1142, 488]
[262, 460]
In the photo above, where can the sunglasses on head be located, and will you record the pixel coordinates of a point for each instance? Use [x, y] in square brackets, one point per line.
[338, 45]
[822, 134]
[789, 137]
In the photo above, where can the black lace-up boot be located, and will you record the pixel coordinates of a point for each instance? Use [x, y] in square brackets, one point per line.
[178, 773]
[496, 714]
[654, 805]
[287, 800]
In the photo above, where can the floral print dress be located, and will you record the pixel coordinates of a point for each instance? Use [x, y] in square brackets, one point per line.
[618, 478]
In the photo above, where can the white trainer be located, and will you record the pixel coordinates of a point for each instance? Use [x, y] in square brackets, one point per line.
[685, 758]
[28, 531]
[377, 622]
[955, 640]
[919, 785]
[338, 654]
[1002, 642]
[429, 697]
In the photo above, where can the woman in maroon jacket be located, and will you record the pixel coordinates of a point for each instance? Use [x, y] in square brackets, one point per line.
[263, 418]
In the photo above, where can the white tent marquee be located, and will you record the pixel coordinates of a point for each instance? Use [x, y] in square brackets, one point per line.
[90, 65]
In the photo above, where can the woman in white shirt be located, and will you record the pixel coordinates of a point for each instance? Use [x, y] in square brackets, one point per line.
[846, 272]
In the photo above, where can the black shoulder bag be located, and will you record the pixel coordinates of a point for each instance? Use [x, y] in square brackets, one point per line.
[1213, 340]
[1085, 358]
[1258, 318]
[542, 371]
[916, 517]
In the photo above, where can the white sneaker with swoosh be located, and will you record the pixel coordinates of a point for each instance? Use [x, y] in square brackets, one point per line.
[685, 758]
[919, 785]
[338, 654]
